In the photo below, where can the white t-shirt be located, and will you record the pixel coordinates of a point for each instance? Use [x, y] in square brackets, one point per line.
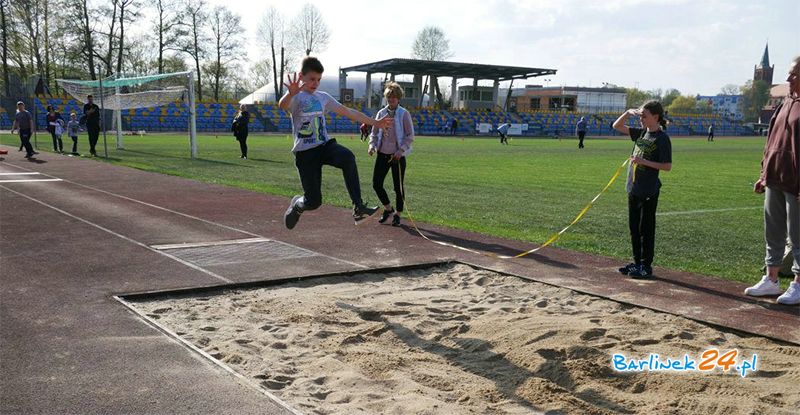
[308, 119]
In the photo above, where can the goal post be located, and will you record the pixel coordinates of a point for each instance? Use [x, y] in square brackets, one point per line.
[121, 93]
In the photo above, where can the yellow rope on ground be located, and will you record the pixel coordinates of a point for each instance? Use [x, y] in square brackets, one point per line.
[549, 241]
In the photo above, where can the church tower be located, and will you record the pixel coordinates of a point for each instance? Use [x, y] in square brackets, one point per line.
[762, 71]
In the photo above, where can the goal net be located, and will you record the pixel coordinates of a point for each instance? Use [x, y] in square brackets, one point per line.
[123, 93]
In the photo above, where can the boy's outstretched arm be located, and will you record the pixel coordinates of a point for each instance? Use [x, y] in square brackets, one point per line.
[357, 116]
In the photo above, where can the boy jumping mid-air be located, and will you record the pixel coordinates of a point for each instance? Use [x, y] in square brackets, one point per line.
[313, 148]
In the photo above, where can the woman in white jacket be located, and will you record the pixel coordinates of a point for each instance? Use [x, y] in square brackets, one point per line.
[392, 144]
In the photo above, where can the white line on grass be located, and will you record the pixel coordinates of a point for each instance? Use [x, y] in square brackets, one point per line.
[189, 216]
[693, 212]
[29, 180]
[188, 264]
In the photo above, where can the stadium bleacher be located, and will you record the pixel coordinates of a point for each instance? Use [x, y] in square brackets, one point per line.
[217, 117]
[5, 120]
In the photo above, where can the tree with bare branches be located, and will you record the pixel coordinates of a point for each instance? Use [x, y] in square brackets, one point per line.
[431, 44]
[310, 29]
[272, 31]
[195, 42]
[168, 28]
[4, 4]
[228, 42]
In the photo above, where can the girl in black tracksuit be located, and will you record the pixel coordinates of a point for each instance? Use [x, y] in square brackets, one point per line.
[652, 153]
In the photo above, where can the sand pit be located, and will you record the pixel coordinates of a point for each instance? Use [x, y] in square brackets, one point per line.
[459, 340]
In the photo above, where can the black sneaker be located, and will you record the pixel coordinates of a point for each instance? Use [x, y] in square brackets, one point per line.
[385, 215]
[292, 214]
[396, 220]
[642, 272]
[362, 212]
[627, 269]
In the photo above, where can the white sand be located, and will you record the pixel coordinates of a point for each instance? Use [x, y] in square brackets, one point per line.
[456, 340]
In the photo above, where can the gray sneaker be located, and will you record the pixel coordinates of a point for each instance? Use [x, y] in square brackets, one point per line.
[362, 212]
[292, 214]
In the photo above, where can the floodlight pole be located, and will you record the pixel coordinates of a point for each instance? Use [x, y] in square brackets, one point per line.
[192, 117]
[102, 121]
[118, 114]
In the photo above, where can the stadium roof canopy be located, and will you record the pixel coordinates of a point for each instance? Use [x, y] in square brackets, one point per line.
[449, 69]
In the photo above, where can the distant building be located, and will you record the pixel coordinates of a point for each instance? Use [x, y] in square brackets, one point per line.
[729, 106]
[763, 71]
[569, 98]
[776, 96]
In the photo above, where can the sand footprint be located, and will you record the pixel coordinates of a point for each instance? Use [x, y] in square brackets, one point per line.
[593, 334]
[278, 382]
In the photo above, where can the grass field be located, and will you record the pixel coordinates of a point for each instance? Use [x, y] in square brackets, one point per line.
[710, 222]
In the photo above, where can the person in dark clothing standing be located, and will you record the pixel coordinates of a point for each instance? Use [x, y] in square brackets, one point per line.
[710, 133]
[365, 131]
[53, 118]
[580, 128]
[24, 121]
[453, 126]
[652, 153]
[92, 113]
[240, 130]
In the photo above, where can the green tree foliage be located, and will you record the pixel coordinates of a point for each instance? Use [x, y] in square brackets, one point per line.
[754, 96]
[670, 96]
[683, 105]
[636, 97]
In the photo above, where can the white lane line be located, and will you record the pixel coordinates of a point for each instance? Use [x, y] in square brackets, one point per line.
[29, 180]
[218, 243]
[188, 264]
[19, 174]
[355, 264]
[694, 212]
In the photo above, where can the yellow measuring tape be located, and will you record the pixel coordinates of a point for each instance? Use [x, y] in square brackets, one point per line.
[549, 241]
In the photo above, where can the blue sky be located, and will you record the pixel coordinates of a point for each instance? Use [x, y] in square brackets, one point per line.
[694, 46]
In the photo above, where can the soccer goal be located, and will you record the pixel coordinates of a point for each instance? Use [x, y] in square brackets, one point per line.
[123, 93]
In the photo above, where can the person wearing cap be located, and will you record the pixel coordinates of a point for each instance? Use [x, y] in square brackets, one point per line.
[92, 113]
[24, 121]
[580, 128]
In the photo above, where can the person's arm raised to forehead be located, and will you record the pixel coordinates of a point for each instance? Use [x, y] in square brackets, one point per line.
[619, 124]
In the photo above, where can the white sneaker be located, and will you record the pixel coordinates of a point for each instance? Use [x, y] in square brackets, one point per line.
[764, 287]
[791, 296]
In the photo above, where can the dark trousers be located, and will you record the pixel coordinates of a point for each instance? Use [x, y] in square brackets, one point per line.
[58, 145]
[503, 138]
[383, 163]
[710, 137]
[25, 139]
[642, 222]
[581, 136]
[74, 144]
[94, 134]
[309, 165]
[242, 139]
